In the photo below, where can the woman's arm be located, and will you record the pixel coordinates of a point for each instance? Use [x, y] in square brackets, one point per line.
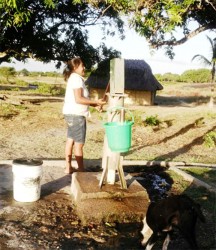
[80, 99]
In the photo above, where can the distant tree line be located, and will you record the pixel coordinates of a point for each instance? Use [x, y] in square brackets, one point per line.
[10, 72]
[196, 76]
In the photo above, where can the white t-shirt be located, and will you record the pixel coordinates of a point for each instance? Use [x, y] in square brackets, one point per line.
[75, 81]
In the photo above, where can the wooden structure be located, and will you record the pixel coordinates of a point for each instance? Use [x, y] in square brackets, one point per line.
[140, 84]
[112, 161]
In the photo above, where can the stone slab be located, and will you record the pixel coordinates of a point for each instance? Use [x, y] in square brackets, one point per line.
[110, 203]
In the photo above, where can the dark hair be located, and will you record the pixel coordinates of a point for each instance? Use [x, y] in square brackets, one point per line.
[70, 66]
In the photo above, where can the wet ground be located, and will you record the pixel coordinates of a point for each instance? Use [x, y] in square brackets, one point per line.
[51, 222]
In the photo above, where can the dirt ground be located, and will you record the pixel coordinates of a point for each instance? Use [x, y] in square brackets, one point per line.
[38, 130]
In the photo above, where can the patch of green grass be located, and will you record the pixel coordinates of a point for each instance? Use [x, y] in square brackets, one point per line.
[3, 80]
[179, 183]
[21, 83]
[205, 198]
[152, 120]
[199, 122]
[8, 110]
[48, 89]
[205, 174]
[210, 139]
[211, 115]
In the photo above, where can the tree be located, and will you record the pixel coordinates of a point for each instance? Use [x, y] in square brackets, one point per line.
[58, 31]
[158, 20]
[209, 62]
[55, 30]
[7, 72]
[24, 72]
[196, 76]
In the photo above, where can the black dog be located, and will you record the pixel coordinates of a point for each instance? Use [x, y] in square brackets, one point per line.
[176, 211]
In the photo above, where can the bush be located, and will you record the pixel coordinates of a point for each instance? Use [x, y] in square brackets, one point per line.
[44, 88]
[21, 83]
[7, 72]
[196, 76]
[24, 72]
[199, 75]
[152, 121]
[210, 139]
[167, 77]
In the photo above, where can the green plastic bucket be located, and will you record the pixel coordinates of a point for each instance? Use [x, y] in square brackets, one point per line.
[119, 135]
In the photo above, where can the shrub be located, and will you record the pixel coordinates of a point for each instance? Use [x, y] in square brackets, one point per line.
[210, 139]
[199, 75]
[44, 88]
[21, 83]
[8, 110]
[24, 72]
[152, 121]
[167, 77]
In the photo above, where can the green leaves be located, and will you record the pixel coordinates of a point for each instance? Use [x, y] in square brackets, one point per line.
[16, 12]
[9, 3]
[206, 61]
[45, 28]
[210, 139]
[54, 30]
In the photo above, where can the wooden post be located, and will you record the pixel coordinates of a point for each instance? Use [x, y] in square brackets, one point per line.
[117, 76]
[114, 101]
[121, 173]
[112, 161]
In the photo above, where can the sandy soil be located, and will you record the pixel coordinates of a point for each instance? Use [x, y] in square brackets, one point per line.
[38, 131]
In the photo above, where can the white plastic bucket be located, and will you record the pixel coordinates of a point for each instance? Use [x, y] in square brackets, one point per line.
[27, 174]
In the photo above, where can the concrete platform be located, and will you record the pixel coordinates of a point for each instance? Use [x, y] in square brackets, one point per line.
[110, 203]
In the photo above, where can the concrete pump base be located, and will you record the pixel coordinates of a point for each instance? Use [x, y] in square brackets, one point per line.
[110, 203]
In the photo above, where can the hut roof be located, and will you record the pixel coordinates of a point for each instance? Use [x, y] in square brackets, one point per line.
[138, 76]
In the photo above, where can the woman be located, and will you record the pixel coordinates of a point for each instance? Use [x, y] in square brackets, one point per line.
[75, 111]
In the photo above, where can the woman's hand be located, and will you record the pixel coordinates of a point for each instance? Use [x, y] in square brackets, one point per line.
[101, 102]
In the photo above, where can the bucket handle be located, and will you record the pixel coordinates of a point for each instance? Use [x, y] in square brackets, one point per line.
[120, 108]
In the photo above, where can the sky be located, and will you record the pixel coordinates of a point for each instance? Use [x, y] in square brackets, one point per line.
[136, 47]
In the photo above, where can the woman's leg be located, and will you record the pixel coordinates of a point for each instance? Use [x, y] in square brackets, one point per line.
[68, 155]
[78, 152]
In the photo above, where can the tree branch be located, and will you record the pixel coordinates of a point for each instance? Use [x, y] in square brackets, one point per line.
[212, 5]
[180, 41]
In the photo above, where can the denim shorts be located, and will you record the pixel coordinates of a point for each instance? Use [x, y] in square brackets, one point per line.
[76, 127]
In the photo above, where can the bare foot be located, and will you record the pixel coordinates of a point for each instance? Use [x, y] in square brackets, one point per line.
[69, 170]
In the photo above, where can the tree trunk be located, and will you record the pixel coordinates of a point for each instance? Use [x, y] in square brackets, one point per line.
[211, 101]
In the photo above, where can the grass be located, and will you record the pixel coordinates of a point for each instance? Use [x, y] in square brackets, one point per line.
[207, 175]
[44, 79]
[8, 111]
[201, 195]
[210, 139]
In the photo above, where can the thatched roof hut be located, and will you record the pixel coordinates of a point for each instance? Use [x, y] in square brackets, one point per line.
[139, 81]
